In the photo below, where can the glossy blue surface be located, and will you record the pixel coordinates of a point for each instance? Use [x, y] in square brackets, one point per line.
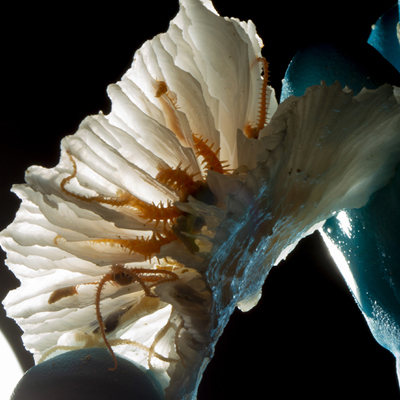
[355, 65]
[384, 38]
[369, 239]
[85, 375]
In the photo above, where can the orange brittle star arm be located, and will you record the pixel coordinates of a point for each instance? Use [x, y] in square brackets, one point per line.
[210, 157]
[125, 276]
[250, 130]
[147, 211]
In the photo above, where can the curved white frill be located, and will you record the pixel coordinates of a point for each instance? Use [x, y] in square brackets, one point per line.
[105, 205]
[334, 151]
[322, 152]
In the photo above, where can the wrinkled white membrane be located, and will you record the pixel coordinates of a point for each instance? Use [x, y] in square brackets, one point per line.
[320, 153]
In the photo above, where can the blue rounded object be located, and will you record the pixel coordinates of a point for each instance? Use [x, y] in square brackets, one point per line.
[355, 65]
[384, 36]
[84, 375]
[369, 240]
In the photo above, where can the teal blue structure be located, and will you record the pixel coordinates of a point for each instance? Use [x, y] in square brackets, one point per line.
[84, 375]
[370, 239]
[353, 64]
[370, 245]
[384, 39]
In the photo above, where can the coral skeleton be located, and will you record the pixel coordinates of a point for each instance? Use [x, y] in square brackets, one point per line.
[166, 214]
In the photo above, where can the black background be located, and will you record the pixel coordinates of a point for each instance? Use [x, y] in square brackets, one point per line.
[306, 337]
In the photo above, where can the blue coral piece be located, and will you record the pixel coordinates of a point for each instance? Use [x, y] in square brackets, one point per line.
[84, 374]
[369, 242]
[384, 36]
[355, 65]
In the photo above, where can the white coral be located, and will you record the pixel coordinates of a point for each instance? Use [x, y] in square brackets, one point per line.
[321, 152]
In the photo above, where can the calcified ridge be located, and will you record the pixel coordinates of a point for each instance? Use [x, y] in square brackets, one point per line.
[144, 240]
